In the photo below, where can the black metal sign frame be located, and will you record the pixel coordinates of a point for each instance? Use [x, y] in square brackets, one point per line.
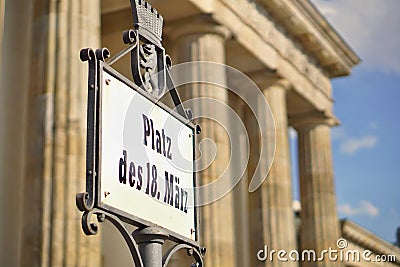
[151, 77]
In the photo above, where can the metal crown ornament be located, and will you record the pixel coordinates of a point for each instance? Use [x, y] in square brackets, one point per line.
[147, 20]
[148, 56]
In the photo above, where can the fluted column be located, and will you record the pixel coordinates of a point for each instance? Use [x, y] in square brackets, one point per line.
[273, 201]
[319, 223]
[202, 40]
[2, 11]
[15, 37]
[55, 156]
[240, 192]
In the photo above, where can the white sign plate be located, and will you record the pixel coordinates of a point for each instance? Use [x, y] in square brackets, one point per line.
[146, 160]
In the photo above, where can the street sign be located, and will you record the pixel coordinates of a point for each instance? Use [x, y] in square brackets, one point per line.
[146, 167]
[140, 154]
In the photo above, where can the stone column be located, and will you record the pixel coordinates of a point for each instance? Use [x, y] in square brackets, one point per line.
[319, 222]
[202, 40]
[274, 198]
[2, 11]
[15, 38]
[240, 192]
[56, 135]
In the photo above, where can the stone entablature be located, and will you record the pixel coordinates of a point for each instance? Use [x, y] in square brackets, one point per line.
[306, 64]
[305, 23]
[288, 36]
[360, 237]
[275, 35]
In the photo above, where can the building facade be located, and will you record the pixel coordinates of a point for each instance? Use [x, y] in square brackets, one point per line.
[285, 46]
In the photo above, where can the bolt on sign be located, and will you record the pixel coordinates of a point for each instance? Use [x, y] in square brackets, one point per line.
[140, 153]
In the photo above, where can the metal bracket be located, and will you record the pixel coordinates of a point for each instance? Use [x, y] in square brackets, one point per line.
[139, 256]
[197, 255]
[86, 201]
[90, 228]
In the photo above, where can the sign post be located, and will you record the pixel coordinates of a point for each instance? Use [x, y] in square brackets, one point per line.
[150, 242]
[140, 153]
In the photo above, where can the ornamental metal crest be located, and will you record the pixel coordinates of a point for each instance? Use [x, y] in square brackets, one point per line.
[148, 56]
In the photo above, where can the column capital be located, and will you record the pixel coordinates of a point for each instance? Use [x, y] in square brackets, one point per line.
[202, 24]
[312, 119]
[267, 79]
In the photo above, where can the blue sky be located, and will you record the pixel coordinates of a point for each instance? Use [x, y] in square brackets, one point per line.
[366, 147]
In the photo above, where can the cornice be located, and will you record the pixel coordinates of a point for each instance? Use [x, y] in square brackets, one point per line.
[365, 239]
[308, 26]
[244, 16]
[326, 27]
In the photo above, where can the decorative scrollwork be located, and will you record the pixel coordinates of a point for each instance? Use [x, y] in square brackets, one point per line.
[102, 54]
[129, 37]
[168, 62]
[85, 201]
[190, 251]
[91, 228]
[82, 202]
[132, 245]
[87, 54]
[88, 227]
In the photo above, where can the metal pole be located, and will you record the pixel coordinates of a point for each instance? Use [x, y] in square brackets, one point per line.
[150, 241]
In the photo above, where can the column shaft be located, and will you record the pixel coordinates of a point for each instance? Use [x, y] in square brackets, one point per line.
[15, 38]
[256, 225]
[273, 200]
[2, 11]
[319, 223]
[56, 135]
[240, 192]
[202, 41]
[277, 190]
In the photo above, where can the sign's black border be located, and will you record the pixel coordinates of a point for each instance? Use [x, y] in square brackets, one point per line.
[93, 153]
